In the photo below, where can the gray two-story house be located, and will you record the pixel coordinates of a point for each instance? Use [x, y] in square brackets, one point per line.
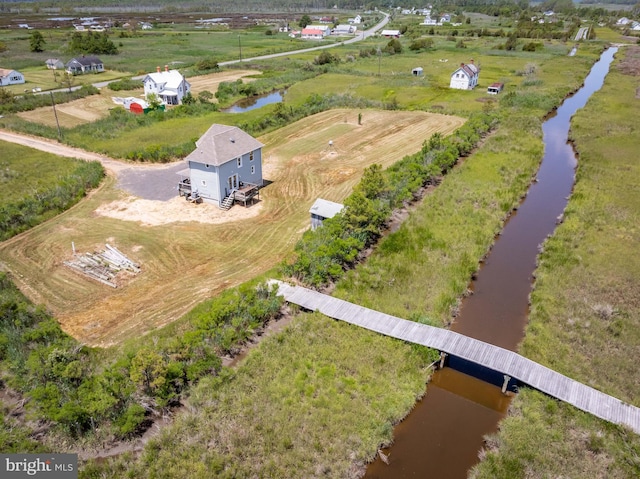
[225, 167]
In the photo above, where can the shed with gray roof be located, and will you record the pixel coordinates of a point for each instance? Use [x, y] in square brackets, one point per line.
[323, 209]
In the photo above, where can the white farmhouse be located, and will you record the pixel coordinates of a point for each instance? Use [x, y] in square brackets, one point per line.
[10, 77]
[465, 77]
[169, 85]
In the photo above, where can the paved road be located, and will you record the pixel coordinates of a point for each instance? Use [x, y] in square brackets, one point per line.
[150, 182]
[361, 36]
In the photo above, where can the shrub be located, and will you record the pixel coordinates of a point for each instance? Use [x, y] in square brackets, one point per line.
[326, 58]
[421, 44]
[207, 64]
[125, 84]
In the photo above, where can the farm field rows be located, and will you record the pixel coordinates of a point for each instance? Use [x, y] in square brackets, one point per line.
[184, 262]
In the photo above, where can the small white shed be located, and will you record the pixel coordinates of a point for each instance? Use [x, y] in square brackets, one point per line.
[323, 209]
[417, 72]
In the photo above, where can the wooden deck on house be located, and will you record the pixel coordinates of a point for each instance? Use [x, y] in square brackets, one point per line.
[493, 357]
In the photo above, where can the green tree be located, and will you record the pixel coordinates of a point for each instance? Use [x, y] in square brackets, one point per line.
[154, 101]
[304, 21]
[188, 99]
[68, 80]
[36, 41]
[148, 371]
[394, 46]
[205, 96]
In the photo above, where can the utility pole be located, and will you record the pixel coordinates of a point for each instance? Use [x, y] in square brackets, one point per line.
[55, 113]
[240, 47]
[379, 57]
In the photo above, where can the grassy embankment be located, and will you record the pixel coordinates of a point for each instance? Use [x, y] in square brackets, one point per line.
[585, 313]
[261, 422]
[27, 199]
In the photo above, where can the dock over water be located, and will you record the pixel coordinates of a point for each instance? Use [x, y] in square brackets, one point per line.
[493, 357]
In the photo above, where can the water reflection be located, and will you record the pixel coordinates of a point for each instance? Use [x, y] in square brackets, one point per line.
[444, 432]
[255, 102]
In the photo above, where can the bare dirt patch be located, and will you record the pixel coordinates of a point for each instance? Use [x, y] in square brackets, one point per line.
[155, 213]
[210, 82]
[630, 64]
[189, 254]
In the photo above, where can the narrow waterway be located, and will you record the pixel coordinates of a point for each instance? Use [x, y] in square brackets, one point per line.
[443, 434]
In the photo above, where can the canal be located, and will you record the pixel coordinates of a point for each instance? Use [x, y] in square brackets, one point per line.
[442, 436]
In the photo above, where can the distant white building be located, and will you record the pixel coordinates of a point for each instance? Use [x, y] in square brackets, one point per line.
[428, 20]
[10, 77]
[169, 85]
[465, 77]
[54, 64]
[344, 30]
[312, 34]
[390, 33]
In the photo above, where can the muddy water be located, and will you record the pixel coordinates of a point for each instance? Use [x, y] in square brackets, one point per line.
[443, 434]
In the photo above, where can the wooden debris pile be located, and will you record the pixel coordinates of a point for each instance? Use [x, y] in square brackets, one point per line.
[103, 266]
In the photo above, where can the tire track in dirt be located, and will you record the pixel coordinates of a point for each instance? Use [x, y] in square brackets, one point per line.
[185, 262]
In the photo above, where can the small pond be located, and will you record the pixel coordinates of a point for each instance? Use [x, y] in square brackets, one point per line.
[254, 102]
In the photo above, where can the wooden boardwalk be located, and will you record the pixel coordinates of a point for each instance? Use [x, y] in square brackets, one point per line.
[493, 357]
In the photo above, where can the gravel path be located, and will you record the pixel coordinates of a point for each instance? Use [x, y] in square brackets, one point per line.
[149, 181]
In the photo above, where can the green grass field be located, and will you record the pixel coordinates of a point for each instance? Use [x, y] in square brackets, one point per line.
[17, 165]
[419, 272]
[319, 398]
[585, 312]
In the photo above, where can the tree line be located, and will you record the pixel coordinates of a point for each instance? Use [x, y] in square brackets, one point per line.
[72, 390]
[323, 255]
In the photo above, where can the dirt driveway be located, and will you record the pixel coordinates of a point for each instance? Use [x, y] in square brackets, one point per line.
[149, 182]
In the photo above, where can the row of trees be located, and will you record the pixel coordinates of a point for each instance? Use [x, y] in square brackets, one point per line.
[323, 255]
[68, 386]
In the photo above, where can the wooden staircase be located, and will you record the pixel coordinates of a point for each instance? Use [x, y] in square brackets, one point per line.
[227, 203]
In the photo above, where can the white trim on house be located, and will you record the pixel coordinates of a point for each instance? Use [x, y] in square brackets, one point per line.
[10, 77]
[465, 77]
[169, 85]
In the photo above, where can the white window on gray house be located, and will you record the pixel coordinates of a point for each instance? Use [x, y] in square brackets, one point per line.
[251, 157]
[253, 169]
[204, 182]
[240, 162]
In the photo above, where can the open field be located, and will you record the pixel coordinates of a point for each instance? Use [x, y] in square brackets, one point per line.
[186, 262]
[210, 82]
[585, 311]
[94, 107]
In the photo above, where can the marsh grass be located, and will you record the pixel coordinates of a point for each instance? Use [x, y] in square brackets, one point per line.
[315, 400]
[585, 312]
[318, 399]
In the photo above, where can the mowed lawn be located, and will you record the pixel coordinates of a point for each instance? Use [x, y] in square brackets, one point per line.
[186, 262]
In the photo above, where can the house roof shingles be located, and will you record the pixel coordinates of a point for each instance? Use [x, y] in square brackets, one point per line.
[87, 60]
[469, 69]
[221, 144]
[167, 79]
